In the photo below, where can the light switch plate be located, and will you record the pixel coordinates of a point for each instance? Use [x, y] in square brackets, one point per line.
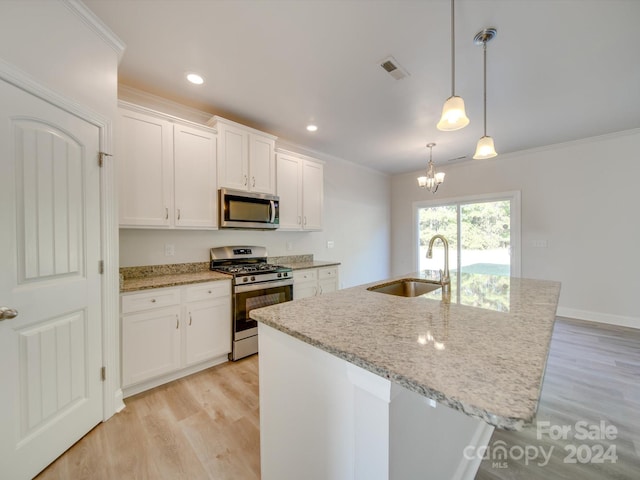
[169, 249]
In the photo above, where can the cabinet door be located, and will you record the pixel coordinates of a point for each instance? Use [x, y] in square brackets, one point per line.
[289, 187]
[327, 280]
[233, 157]
[208, 330]
[262, 165]
[144, 153]
[305, 283]
[195, 177]
[150, 344]
[312, 195]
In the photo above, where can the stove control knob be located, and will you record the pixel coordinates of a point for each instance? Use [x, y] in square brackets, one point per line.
[286, 274]
[253, 279]
[245, 279]
[279, 275]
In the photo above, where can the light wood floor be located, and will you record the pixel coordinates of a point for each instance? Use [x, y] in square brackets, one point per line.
[206, 426]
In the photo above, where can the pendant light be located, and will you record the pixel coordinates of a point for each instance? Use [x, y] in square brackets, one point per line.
[432, 180]
[453, 114]
[485, 148]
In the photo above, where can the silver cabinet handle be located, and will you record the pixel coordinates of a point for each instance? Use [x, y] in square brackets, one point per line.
[177, 322]
[305, 220]
[166, 213]
[299, 219]
[153, 300]
[190, 319]
[253, 181]
[178, 214]
[245, 179]
[7, 313]
[209, 292]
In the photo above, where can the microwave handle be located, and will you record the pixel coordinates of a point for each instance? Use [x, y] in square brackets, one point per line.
[272, 209]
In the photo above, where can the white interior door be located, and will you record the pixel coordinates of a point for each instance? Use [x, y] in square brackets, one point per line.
[50, 353]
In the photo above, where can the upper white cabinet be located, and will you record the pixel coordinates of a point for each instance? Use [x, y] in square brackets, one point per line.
[166, 170]
[246, 157]
[300, 188]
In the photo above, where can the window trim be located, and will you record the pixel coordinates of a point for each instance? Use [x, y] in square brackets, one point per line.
[514, 196]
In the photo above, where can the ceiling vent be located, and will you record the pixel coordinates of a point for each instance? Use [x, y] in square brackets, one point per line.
[393, 68]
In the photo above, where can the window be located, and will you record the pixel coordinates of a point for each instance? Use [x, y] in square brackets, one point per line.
[483, 233]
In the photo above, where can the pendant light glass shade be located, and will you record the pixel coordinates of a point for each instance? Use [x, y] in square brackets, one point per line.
[485, 149]
[453, 115]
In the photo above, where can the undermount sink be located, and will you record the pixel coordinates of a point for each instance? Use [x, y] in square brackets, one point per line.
[406, 287]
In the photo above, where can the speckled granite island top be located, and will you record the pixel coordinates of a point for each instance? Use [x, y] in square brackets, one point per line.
[482, 351]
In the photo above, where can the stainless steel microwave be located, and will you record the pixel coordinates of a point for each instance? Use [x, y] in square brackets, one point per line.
[240, 209]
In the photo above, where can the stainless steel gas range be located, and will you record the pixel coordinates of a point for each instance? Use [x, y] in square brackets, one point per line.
[256, 284]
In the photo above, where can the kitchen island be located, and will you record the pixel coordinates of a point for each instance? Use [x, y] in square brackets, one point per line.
[361, 384]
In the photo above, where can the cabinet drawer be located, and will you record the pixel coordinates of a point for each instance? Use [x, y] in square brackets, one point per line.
[138, 302]
[325, 273]
[208, 291]
[310, 275]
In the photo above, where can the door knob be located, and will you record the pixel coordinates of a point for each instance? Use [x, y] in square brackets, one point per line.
[7, 313]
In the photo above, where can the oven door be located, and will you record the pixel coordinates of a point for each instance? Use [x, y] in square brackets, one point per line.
[248, 297]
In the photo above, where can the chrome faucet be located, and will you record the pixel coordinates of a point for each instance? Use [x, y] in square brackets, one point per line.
[445, 281]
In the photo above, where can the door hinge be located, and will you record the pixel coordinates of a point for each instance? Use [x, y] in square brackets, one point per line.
[103, 373]
[101, 156]
[101, 267]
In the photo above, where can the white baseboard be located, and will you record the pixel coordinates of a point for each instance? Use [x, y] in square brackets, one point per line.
[607, 318]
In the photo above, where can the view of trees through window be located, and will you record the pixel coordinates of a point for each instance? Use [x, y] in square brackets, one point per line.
[483, 230]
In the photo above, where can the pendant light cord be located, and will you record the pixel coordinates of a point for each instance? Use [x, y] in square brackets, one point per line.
[484, 48]
[453, 51]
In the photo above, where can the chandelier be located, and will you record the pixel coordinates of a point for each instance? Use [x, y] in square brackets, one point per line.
[433, 179]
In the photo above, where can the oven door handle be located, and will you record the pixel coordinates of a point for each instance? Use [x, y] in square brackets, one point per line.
[263, 286]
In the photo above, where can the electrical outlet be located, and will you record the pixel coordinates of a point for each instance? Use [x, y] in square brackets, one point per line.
[330, 244]
[169, 249]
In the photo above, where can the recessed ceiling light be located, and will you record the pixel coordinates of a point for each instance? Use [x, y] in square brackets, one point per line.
[312, 128]
[195, 78]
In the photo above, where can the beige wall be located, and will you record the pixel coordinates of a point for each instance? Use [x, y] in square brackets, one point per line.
[581, 197]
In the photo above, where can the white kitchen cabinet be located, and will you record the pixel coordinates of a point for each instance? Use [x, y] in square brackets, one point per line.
[150, 344]
[167, 171]
[246, 157]
[301, 191]
[207, 322]
[168, 333]
[311, 282]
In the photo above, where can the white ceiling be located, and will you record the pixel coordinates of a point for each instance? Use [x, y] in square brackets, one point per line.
[558, 70]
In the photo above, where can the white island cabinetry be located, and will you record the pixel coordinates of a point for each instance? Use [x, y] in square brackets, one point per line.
[301, 191]
[167, 171]
[171, 332]
[246, 157]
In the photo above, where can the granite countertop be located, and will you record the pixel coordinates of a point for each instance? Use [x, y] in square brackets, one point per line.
[145, 277]
[310, 264]
[481, 350]
[300, 262]
[133, 279]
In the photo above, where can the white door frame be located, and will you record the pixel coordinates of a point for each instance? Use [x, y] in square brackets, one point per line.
[111, 388]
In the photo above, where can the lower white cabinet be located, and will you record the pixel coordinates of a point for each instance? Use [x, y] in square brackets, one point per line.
[171, 332]
[312, 282]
